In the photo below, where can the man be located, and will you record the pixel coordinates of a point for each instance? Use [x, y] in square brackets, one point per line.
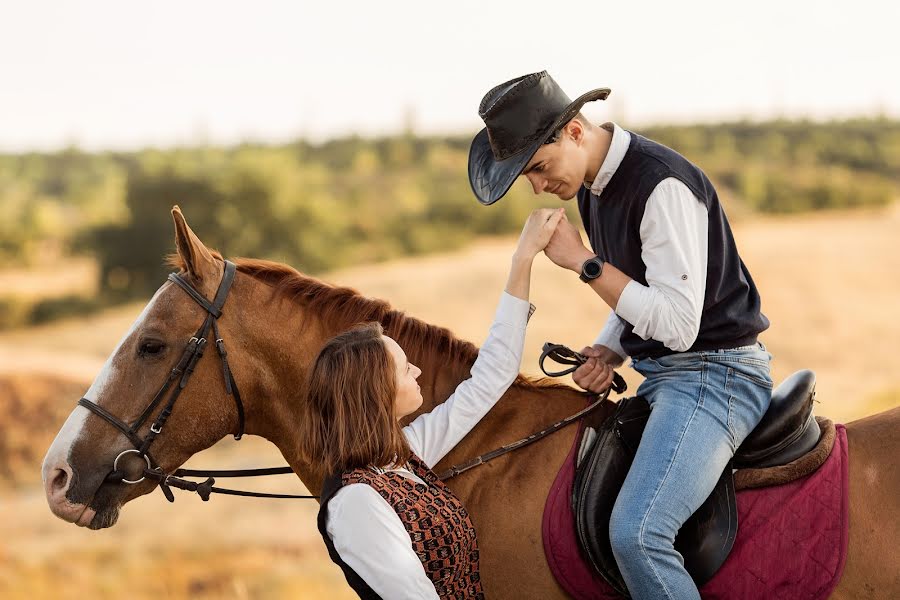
[685, 308]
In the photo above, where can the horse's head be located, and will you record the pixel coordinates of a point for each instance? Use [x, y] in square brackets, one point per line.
[77, 468]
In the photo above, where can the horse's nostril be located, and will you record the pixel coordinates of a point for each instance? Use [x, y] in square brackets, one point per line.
[60, 482]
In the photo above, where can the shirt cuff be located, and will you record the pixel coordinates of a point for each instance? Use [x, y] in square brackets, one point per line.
[633, 302]
[513, 311]
[611, 337]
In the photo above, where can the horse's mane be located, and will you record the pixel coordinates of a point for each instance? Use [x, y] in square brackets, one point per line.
[345, 307]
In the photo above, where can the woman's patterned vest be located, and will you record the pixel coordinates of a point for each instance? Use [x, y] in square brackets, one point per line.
[439, 528]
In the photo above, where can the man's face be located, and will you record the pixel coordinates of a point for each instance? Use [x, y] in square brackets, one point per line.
[559, 168]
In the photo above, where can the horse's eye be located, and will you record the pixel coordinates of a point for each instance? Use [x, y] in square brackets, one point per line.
[151, 348]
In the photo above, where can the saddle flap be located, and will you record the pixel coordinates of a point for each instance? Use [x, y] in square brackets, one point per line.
[704, 540]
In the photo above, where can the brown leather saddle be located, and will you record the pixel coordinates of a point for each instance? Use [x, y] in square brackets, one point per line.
[786, 432]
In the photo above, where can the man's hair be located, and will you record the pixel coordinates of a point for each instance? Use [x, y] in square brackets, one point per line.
[347, 418]
[579, 117]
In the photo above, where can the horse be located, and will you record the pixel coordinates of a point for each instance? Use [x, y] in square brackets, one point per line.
[273, 324]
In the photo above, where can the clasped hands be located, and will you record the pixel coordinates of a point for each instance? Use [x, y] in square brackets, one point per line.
[548, 230]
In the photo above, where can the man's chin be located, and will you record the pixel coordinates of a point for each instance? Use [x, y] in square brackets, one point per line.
[565, 193]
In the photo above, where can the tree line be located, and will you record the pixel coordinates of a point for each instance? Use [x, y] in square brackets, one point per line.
[351, 200]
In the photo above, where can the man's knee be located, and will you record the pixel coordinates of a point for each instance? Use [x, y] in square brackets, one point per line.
[624, 533]
[636, 535]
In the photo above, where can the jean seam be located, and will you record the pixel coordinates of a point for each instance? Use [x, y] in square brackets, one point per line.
[728, 376]
[663, 481]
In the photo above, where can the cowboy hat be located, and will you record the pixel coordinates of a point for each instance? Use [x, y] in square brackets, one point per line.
[520, 115]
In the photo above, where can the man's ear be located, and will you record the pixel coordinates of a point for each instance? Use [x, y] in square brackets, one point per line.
[575, 130]
[198, 260]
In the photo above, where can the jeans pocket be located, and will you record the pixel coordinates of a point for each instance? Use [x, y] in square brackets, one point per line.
[749, 392]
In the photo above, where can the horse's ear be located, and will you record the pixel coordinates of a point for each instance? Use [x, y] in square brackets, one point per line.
[198, 260]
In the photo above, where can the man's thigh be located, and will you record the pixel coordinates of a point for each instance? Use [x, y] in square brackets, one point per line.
[684, 448]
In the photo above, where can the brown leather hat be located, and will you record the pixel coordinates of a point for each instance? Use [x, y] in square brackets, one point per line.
[520, 115]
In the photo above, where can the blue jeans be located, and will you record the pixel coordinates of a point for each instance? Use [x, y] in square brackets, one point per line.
[704, 405]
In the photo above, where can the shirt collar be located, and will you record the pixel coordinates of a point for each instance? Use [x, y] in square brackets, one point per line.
[621, 139]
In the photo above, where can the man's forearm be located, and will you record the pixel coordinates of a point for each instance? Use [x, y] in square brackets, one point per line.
[611, 282]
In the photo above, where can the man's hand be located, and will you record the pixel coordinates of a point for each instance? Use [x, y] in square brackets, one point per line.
[604, 353]
[596, 375]
[566, 248]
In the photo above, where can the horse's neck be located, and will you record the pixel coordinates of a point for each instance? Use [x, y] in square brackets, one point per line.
[286, 353]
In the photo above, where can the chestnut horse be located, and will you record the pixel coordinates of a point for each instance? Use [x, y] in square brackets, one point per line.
[274, 322]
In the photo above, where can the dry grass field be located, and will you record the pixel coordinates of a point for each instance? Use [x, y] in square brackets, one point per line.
[829, 285]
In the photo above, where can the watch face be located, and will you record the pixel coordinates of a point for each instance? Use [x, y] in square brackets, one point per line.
[591, 269]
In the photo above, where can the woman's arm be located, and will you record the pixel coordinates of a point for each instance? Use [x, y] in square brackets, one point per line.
[434, 434]
[535, 236]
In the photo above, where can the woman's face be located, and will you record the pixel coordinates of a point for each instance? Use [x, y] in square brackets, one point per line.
[409, 395]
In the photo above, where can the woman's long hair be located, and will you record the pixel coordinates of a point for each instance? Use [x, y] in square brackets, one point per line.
[348, 416]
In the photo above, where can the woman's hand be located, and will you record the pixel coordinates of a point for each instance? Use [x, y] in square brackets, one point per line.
[538, 230]
[536, 234]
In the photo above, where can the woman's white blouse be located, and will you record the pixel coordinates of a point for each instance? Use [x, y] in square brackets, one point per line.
[365, 530]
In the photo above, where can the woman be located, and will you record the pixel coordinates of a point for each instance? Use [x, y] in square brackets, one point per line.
[388, 522]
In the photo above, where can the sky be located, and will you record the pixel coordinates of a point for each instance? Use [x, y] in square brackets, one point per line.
[124, 75]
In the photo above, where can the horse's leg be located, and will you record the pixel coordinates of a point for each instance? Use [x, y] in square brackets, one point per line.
[873, 560]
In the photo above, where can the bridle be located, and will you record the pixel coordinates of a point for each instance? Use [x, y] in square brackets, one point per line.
[181, 373]
[193, 352]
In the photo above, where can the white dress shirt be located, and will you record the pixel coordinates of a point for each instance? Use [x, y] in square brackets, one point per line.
[365, 530]
[674, 247]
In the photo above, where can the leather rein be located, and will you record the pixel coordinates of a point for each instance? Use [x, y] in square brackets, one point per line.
[193, 352]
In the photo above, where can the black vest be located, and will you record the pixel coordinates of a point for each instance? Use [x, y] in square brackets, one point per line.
[731, 314]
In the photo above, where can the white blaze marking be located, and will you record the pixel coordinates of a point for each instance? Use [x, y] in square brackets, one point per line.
[58, 454]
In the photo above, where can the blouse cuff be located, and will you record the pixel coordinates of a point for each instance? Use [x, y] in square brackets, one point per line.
[513, 311]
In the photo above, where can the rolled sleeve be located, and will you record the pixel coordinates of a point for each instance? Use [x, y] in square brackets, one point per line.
[674, 248]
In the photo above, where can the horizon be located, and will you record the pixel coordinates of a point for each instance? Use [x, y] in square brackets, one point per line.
[416, 134]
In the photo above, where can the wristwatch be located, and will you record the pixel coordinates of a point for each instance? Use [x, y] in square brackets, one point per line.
[591, 269]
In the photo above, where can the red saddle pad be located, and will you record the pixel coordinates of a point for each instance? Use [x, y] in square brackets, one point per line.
[791, 542]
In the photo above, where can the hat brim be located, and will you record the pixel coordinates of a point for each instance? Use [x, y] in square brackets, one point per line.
[490, 178]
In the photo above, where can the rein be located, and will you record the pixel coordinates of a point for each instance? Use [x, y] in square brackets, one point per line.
[563, 355]
[193, 352]
[557, 352]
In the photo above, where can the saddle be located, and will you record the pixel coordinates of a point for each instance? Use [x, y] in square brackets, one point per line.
[786, 432]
